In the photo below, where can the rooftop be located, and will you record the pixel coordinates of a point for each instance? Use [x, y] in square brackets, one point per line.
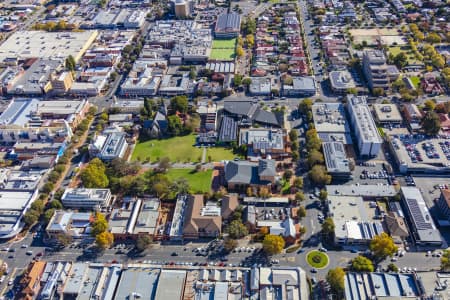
[341, 80]
[336, 159]
[363, 119]
[387, 113]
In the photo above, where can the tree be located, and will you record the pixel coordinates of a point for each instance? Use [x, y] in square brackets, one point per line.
[104, 240]
[237, 80]
[288, 174]
[273, 244]
[382, 246]
[38, 206]
[305, 106]
[319, 175]
[56, 204]
[174, 126]
[240, 51]
[352, 91]
[301, 212]
[237, 230]
[180, 186]
[230, 245]
[293, 135]
[264, 192]
[93, 176]
[164, 164]
[433, 38]
[299, 196]
[431, 124]
[378, 92]
[335, 278]
[445, 261]
[298, 183]
[247, 81]
[362, 264]
[30, 217]
[63, 239]
[401, 60]
[179, 103]
[323, 195]
[328, 227]
[392, 268]
[70, 63]
[99, 225]
[250, 39]
[48, 215]
[143, 242]
[429, 104]
[315, 157]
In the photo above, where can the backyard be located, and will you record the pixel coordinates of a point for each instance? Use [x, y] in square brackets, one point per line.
[199, 181]
[223, 49]
[180, 149]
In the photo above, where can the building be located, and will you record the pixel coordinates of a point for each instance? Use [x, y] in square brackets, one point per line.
[377, 72]
[270, 282]
[421, 224]
[46, 45]
[362, 286]
[396, 226]
[387, 114]
[73, 224]
[341, 81]
[413, 116]
[331, 122]
[365, 130]
[30, 282]
[13, 205]
[367, 191]
[336, 160]
[301, 87]
[264, 143]
[444, 203]
[353, 222]
[62, 83]
[241, 174]
[111, 144]
[89, 199]
[137, 281]
[229, 204]
[201, 220]
[260, 86]
[182, 8]
[228, 25]
[173, 85]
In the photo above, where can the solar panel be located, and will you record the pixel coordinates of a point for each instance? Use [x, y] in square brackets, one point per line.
[419, 221]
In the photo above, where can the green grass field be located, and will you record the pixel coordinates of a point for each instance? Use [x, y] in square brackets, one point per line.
[407, 50]
[415, 80]
[223, 49]
[200, 182]
[224, 44]
[317, 259]
[180, 148]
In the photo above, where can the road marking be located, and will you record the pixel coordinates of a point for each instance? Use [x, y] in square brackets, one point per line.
[7, 279]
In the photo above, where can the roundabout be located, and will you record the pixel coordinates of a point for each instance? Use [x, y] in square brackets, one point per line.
[317, 259]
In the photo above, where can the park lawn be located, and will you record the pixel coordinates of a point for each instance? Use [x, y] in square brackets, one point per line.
[407, 50]
[323, 259]
[415, 80]
[199, 181]
[224, 44]
[180, 148]
[219, 154]
[222, 54]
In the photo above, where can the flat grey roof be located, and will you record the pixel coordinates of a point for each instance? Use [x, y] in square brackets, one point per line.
[137, 281]
[171, 284]
[341, 80]
[336, 159]
[361, 190]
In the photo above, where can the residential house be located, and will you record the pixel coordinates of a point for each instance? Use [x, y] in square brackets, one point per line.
[396, 226]
[201, 220]
[431, 85]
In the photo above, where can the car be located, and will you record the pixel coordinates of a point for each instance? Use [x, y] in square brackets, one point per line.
[323, 249]
[2, 278]
[394, 259]
[12, 250]
[29, 252]
[24, 246]
[10, 282]
[174, 254]
[428, 253]
[313, 270]
[354, 251]
[11, 256]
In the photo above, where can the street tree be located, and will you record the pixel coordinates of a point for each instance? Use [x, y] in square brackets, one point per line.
[362, 264]
[230, 244]
[94, 176]
[237, 229]
[143, 242]
[99, 224]
[301, 212]
[445, 261]
[319, 175]
[328, 227]
[104, 240]
[179, 104]
[431, 124]
[335, 278]
[273, 244]
[382, 246]
[64, 239]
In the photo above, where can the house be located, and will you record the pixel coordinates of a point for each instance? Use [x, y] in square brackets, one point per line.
[229, 204]
[396, 226]
[30, 281]
[241, 174]
[431, 85]
[201, 220]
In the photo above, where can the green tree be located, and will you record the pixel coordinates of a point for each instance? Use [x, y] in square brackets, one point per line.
[104, 240]
[299, 196]
[362, 264]
[382, 246]
[392, 268]
[38, 206]
[237, 230]
[237, 80]
[180, 186]
[143, 242]
[230, 245]
[298, 183]
[401, 60]
[429, 104]
[94, 176]
[293, 135]
[175, 127]
[164, 164]
[246, 81]
[433, 38]
[99, 225]
[328, 227]
[335, 278]
[319, 175]
[56, 204]
[70, 63]
[315, 157]
[48, 215]
[323, 195]
[273, 244]
[431, 124]
[305, 106]
[445, 261]
[179, 103]
[301, 212]
[378, 92]
[30, 217]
